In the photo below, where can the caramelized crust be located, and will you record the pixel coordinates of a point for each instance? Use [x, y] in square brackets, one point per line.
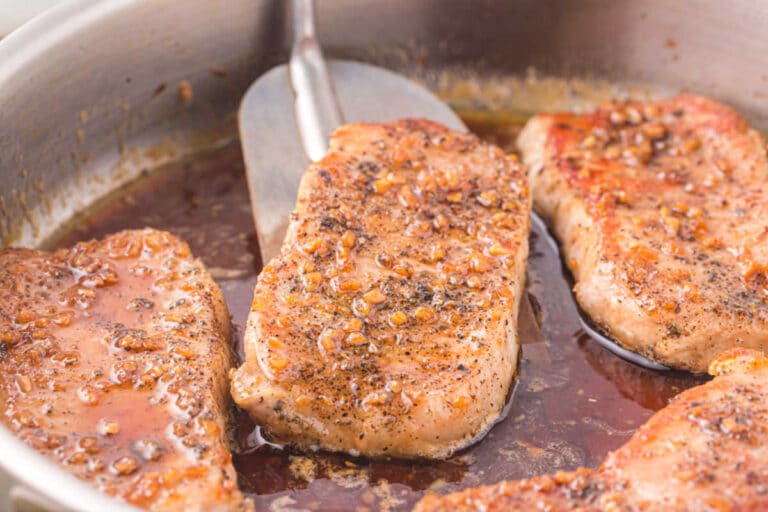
[661, 211]
[113, 361]
[388, 323]
[706, 451]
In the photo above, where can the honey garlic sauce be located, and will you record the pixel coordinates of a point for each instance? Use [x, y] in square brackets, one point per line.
[572, 404]
[113, 358]
[50, 332]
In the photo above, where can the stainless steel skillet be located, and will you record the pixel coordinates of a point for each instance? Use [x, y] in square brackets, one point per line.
[88, 91]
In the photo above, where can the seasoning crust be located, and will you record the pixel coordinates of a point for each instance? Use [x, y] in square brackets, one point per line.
[661, 210]
[387, 325]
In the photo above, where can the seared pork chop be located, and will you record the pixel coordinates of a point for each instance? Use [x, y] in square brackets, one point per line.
[113, 362]
[387, 325]
[661, 209]
[706, 451]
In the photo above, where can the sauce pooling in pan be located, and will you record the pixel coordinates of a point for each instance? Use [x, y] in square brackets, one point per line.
[572, 404]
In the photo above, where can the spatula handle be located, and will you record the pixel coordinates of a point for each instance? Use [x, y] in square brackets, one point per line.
[316, 107]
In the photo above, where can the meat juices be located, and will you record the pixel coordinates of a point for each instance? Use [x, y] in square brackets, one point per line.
[113, 363]
[387, 325]
[660, 209]
[705, 451]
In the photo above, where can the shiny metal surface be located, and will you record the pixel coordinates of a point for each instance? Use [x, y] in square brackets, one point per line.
[90, 97]
[89, 91]
[316, 109]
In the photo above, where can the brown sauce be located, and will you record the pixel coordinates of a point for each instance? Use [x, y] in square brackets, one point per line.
[572, 404]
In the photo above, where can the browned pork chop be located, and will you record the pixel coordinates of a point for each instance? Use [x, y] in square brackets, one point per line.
[113, 362]
[662, 212]
[707, 451]
[387, 325]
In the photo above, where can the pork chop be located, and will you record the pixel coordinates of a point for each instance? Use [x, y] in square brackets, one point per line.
[706, 451]
[113, 362]
[661, 209]
[387, 325]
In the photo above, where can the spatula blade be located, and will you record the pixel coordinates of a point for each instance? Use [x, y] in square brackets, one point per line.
[274, 157]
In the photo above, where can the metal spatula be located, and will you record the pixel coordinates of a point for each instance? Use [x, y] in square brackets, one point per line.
[288, 114]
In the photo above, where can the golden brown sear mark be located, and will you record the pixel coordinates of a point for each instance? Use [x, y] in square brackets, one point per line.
[660, 208]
